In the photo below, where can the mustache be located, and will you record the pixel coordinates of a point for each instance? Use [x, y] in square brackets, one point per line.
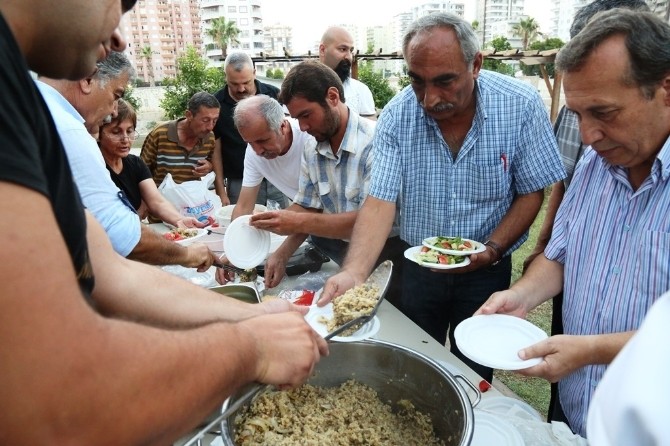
[439, 108]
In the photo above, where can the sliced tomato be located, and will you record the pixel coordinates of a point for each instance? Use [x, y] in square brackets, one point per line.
[425, 249]
[443, 260]
[173, 236]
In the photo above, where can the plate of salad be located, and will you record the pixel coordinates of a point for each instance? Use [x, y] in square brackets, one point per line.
[431, 258]
[456, 246]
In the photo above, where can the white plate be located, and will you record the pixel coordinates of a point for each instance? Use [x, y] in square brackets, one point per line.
[494, 340]
[506, 405]
[245, 246]
[187, 241]
[491, 430]
[204, 279]
[276, 241]
[315, 313]
[478, 247]
[410, 254]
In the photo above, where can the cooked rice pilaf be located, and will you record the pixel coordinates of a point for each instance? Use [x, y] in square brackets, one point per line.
[355, 302]
[351, 414]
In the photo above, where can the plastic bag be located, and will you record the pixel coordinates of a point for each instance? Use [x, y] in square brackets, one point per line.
[192, 198]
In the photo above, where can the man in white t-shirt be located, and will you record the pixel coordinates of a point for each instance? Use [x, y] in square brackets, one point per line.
[274, 149]
[335, 51]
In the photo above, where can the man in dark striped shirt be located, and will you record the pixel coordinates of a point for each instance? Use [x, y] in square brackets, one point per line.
[183, 147]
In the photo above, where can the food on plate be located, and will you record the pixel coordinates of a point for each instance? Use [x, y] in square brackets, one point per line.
[177, 234]
[249, 275]
[454, 243]
[298, 297]
[349, 414]
[427, 255]
[357, 301]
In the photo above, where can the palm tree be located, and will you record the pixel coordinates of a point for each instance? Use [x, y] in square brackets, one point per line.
[527, 29]
[147, 54]
[224, 33]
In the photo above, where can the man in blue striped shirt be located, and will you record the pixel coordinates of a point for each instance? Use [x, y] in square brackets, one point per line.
[610, 247]
[469, 153]
[571, 148]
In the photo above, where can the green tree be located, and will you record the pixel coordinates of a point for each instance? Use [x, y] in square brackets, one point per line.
[528, 30]
[278, 74]
[148, 55]
[224, 33]
[500, 43]
[129, 97]
[378, 85]
[403, 78]
[193, 76]
[475, 24]
[546, 44]
[270, 73]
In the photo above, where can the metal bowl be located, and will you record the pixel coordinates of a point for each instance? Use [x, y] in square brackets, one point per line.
[396, 373]
[245, 293]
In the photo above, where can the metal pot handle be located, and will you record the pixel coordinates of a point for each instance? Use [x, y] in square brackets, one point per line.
[472, 386]
[253, 390]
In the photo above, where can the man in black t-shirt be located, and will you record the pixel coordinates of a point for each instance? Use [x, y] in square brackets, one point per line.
[71, 371]
[228, 158]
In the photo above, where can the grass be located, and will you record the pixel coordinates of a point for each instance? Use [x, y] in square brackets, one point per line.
[535, 391]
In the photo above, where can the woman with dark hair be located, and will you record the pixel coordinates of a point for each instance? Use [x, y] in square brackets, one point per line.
[129, 172]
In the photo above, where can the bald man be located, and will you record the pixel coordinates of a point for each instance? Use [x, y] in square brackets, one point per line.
[335, 51]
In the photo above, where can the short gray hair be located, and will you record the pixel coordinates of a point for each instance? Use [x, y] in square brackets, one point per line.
[113, 67]
[464, 33]
[647, 39]
[259, 105]
[238, 61]
[202, 99]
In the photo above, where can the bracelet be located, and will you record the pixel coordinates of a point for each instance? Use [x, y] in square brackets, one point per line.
[496, 248]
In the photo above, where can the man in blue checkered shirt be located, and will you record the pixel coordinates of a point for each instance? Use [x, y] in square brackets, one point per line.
[469, 153]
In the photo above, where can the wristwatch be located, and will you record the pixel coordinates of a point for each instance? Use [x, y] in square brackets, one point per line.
[497, 249]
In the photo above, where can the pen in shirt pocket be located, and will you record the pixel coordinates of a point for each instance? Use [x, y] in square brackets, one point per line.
[503, 158]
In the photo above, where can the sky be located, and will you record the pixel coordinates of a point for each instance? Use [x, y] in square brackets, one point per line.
[310, 18]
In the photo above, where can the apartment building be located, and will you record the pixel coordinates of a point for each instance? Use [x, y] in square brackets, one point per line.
[492, 11]
[157, 32]
[246, 14]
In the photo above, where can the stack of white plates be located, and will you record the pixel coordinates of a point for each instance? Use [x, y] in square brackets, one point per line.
[245, 246]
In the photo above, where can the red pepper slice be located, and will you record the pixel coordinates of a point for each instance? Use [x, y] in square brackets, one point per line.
[306, 298]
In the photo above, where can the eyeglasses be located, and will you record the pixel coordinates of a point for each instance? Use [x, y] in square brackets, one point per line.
[132, 136]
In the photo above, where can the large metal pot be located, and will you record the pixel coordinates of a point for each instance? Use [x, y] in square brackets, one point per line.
[396, 373]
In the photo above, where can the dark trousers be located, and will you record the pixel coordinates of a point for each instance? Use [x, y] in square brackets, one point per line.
[393, 250]
[438, 302]
[555, 411]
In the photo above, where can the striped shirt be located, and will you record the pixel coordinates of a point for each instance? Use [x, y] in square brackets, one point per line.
[569, 141]
[338, 183]
[163, 154]
[509, 150]
[615, 246]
